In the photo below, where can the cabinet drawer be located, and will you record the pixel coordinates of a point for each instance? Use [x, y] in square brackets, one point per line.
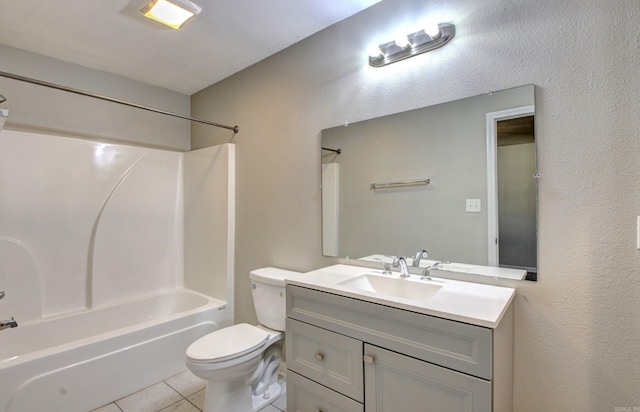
[328, 358]
[454, 345]
[304, 395]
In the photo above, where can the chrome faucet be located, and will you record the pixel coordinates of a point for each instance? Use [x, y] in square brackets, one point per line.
[4, 324]
[419, 255]
[404, 269]
[426, 275]
[1, 294]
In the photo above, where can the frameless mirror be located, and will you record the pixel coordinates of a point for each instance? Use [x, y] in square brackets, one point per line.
[457, 179]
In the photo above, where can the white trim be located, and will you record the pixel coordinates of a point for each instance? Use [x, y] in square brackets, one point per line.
[492, 174]
[231, 228]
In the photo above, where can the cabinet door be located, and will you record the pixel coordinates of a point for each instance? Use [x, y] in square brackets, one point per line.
[395, 382]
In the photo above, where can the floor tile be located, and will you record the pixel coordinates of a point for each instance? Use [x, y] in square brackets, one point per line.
[186, 383]
[197, 398]
[112, 407]
[184, 392]
[281, 402]
[182, 406]
[151, 399]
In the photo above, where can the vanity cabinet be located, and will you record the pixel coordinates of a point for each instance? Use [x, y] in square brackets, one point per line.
[347, 354]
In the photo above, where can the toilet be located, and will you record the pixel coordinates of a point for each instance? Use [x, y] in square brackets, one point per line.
[240, 362]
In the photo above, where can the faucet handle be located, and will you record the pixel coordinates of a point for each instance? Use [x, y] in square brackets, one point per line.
[386, 266]
[426, 274]
[2, 294]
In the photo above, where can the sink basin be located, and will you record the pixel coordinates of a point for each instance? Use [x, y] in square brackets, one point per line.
[393, 286]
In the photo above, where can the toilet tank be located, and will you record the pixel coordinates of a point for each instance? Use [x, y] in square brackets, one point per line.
[267, 288]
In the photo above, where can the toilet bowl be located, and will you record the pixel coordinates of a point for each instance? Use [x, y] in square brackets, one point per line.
[240, 362]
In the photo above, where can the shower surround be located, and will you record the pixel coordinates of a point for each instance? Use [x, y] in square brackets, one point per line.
[86, 225]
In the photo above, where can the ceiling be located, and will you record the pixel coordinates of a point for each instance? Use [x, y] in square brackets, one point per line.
[112, 36]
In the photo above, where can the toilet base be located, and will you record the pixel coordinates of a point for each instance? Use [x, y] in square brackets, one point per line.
[259, 402]
[239, 399]
[246, 387]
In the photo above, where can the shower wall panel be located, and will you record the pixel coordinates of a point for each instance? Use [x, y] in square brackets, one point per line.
[84, 223]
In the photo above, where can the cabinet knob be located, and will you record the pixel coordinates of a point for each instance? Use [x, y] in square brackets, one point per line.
[319, 356]
[368, 359]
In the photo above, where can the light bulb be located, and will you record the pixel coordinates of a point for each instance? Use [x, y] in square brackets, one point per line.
[402, 41]
[432, 29]
[374, 51]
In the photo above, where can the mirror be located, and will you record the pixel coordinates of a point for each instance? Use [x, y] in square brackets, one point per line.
[457, 179]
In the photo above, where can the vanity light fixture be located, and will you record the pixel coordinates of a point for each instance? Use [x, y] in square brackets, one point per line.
[416, 43]
[173, 13]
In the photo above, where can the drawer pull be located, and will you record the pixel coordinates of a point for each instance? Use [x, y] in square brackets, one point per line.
[319, 356]
[368, 359]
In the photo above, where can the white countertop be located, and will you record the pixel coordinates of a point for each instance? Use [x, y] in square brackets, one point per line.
[473, 303]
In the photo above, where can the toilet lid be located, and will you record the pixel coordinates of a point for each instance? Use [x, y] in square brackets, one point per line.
[227, 343]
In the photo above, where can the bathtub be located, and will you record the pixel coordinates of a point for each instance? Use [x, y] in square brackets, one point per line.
[82, 361]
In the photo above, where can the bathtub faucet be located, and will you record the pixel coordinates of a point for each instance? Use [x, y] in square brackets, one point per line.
[4, 324]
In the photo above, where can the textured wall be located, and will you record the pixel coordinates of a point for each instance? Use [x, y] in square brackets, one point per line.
[577, 339]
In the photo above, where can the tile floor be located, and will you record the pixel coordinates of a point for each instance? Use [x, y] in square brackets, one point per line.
[181, 393]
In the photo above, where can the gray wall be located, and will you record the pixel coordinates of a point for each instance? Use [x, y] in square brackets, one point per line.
[576, 329]
[446, 143]
[43, 110]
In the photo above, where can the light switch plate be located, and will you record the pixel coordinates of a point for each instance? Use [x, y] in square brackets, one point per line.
[474, 205]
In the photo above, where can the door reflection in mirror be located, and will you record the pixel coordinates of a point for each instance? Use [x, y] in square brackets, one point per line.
[516, 168]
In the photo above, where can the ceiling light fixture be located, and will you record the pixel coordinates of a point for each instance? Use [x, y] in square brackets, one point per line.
[173, 13]
[417, 43]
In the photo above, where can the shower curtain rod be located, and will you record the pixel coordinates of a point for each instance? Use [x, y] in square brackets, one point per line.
[112, 100]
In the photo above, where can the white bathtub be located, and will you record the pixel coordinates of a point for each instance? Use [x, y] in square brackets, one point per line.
[82, 361]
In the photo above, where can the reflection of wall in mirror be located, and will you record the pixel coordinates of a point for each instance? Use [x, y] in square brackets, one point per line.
[446, 143]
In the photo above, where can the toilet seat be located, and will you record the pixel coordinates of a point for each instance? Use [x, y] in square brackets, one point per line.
[228, 343]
